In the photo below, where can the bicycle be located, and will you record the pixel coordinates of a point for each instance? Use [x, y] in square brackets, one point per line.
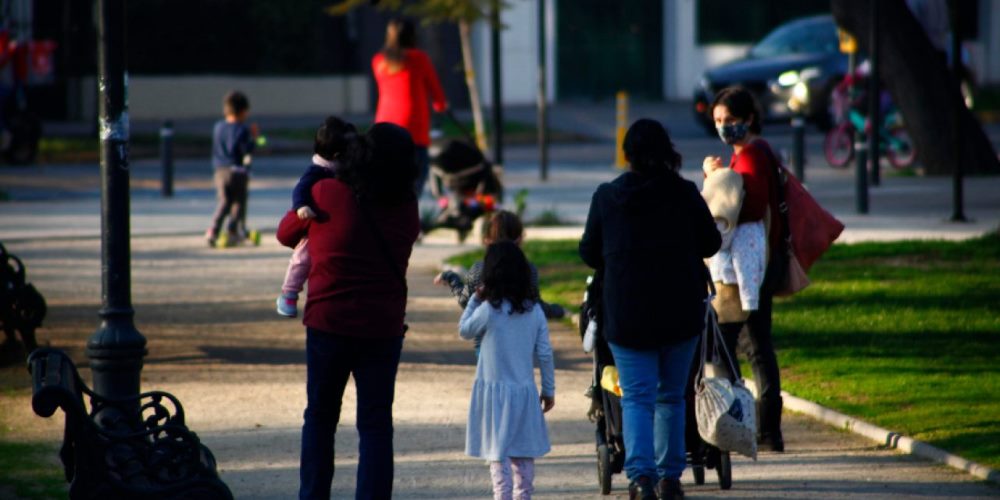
[894, 141]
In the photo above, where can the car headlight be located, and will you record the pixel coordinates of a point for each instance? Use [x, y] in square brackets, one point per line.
[788, 78]
[801, 92]
[800, 97]
[792, 77]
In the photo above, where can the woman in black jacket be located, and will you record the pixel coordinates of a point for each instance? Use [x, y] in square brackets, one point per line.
[649, 230]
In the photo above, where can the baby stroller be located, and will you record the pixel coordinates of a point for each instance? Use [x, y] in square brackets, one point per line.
[606, 406]
[606, 409]
[465, 184]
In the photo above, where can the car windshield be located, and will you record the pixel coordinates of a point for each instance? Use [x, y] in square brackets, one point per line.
[798, 38]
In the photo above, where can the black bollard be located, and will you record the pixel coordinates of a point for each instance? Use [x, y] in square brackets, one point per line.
[167, 158]
[874, 148]
[799, 147]
[861, 177]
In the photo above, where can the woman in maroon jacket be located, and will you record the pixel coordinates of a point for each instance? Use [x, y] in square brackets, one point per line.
[360, 245]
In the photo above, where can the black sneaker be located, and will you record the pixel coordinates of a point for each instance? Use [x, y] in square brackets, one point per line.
[669, 489]
[772, 441]
[641, 489]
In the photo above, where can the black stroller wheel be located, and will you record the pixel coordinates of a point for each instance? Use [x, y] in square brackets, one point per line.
[725, 471]
[604, 468]
[699, 474]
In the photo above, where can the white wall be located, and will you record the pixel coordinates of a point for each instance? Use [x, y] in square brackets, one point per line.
[518, 54]
[684, 59]
[182, 97]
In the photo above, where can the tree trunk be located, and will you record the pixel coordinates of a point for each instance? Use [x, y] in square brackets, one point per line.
[922, 87]
[470, 81]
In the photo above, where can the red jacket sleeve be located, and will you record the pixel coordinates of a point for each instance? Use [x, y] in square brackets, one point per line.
[433, 84]
[753, 164]
[291, 229]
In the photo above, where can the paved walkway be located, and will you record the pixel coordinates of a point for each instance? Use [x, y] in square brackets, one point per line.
[64, 200]
[215, 342]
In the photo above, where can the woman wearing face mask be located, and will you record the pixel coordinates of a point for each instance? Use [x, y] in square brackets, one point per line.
[737, 119]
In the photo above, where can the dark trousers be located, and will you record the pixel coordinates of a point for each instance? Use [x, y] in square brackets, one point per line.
[330, 360]
[758, 344]
[231, 193]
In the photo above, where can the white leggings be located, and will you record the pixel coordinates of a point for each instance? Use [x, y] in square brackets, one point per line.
[520, 486]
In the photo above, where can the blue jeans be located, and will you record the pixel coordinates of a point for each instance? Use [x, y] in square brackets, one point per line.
[423, 161]
[653, 383]
[330, 360]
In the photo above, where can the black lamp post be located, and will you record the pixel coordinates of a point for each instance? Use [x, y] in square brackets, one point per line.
[116, 349]
[958, 195]
[127, 445]
[496, 90]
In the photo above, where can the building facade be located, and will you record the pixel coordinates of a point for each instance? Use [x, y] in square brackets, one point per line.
[657, 49]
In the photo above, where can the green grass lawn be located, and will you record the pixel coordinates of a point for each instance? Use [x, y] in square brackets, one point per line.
[29, 470]
[905, 335]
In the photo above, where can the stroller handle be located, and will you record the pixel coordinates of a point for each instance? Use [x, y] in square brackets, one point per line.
[461, 128]
[711, 285]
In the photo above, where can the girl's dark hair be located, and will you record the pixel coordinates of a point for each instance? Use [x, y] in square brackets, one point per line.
[507, 276]
[502, 225]
[334, 137]
[381, 165]
[648, 148]
[741, 104]
[400, 34]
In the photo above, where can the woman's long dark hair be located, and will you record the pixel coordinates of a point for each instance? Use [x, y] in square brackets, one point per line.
[381, 166]
[741, 104]
[648, 148]
[400, 34]
[507, 276]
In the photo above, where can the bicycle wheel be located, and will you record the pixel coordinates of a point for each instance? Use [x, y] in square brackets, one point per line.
[838, 146]
[900, 149]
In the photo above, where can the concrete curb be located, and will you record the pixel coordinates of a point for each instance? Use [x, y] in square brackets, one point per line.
[888, 438]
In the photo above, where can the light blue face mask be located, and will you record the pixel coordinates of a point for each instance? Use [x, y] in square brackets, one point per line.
[732, 133]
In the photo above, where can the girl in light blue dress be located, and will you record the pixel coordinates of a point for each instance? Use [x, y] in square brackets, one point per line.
[506, 426]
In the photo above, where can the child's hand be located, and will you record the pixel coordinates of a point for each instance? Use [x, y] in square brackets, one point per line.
[304, 212]
[711, 163]
[547, 403]
[480, 292]
[439, 279]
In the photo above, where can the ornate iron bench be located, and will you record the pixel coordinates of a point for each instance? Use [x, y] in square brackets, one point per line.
[22, 308]
[135, 448]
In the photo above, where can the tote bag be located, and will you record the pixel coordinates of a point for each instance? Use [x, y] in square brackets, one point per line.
[811, 228]
[808, 229]
[724, 408]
